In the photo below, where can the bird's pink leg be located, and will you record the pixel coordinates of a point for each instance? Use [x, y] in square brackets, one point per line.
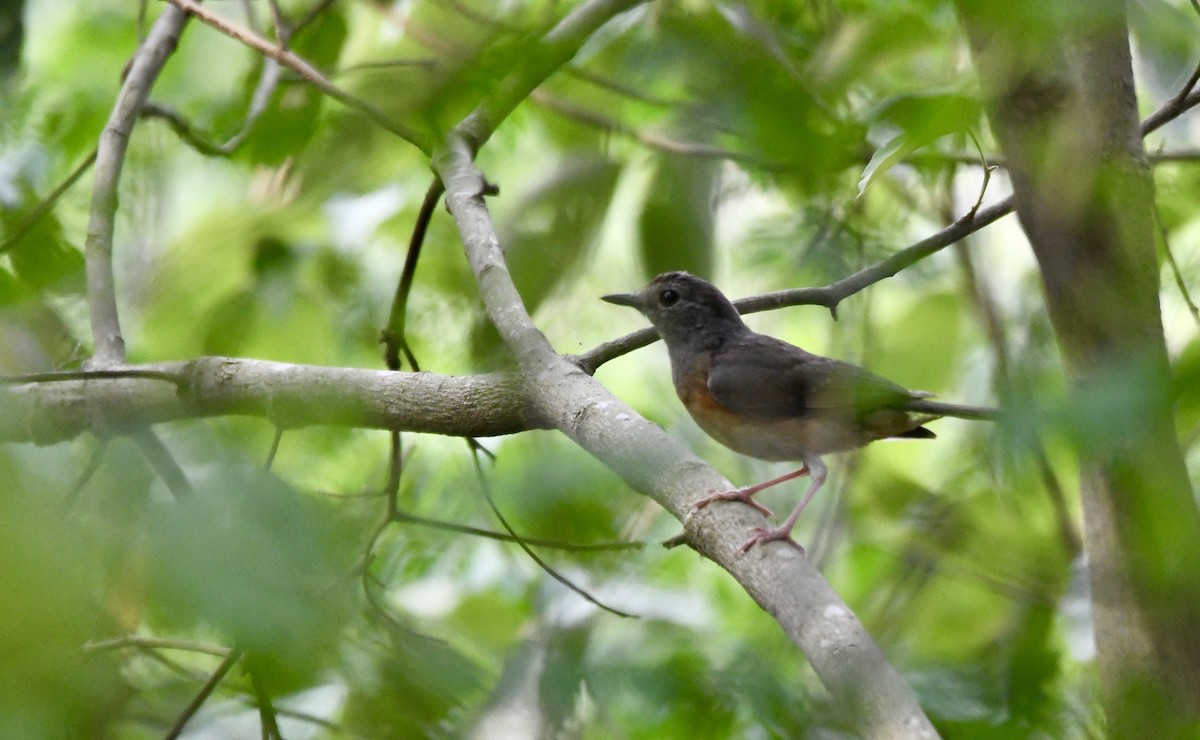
[746, 495]
[784, 532]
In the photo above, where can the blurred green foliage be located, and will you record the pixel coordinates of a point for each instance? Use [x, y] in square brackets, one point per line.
[852, 123]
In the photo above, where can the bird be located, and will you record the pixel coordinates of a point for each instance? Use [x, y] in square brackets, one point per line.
[771, 400]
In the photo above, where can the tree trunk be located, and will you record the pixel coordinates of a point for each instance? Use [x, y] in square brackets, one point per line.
[1059, 86]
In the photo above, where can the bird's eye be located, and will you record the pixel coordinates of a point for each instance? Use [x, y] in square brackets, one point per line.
[667, 297]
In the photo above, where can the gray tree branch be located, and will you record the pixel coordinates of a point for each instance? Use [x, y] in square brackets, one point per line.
[143, 71]
[561, 395]
[287, 395]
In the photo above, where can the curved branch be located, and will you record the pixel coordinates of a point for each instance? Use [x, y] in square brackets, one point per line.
[110, 158]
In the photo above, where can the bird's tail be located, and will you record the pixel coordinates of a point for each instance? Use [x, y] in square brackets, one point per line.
[937, 408]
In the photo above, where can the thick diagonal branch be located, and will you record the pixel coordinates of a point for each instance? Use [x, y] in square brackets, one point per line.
[561, 395]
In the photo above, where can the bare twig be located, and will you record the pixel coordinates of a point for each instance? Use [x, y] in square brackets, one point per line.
[650, 139]
[155, 643]
[619, 88]
[47, 204]
[86, 474]
[147, 63]
[987, 175]
[262, 698]
[313, 13]
[485, 489]
[163, 462]
[394, 339]
[305, 71]
[275, 440]
[402, 516]
[1180, 283]
[1067, 530]
[268, 81]
[66, 376]
[1186, 98]
[481, 19]
[205, 691]
[277, 23]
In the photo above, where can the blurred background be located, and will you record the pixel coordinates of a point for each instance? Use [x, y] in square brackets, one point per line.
[761, 144]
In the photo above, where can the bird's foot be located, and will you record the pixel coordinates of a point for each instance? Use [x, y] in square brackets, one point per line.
[745, 495]
[763, 535]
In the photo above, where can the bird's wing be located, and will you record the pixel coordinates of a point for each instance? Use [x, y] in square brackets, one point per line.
[777, 379]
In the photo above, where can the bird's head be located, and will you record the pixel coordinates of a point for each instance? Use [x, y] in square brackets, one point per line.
[683, 308]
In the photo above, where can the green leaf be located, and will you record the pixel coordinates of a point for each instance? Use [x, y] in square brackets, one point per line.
[883, 159]
[259, 563]
[415, 686]
[928, 115]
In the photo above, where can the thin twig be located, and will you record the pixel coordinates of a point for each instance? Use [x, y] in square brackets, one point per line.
[163, 462]
[305, 71]
[205, 691]
[393, 336]
[482, 19]
[47, 204]
[829, 296]
[652, 140]
[390, 491]
[313, 13]
[424, 62]
[266, 710]
[275, 440]
[485, 489]
[987, 175]
[407, 518]
[268, 81]
[1067, 530]
[281, 35]
[1175, 271]
[154, 643]
[86, 474]
[63, 376]
[621, 89]
[1186, 98]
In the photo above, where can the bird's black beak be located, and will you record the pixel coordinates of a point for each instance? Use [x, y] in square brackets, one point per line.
[623, 299]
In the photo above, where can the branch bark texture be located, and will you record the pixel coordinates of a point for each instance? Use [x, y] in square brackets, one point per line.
[287, 395]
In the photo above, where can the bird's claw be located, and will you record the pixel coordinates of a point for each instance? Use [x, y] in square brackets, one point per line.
[744, 495]
[763, 535]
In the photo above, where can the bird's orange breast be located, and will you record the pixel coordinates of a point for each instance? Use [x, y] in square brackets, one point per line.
[775, 438]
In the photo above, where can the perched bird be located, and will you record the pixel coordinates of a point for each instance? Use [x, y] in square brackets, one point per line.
[768, 399]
